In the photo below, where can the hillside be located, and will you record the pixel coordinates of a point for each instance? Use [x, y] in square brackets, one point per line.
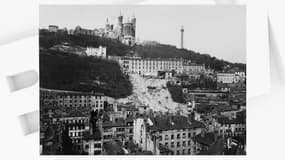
[152, 93]
[115, 47]
[71, 72]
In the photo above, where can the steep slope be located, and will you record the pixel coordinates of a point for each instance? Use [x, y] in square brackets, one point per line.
[152, 93]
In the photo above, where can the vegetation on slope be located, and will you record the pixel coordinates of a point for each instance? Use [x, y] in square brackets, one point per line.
[71, 72]
[176, 93]
[115, 47]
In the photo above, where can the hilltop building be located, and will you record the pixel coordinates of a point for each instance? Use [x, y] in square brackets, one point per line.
[97, 52]
[149, 66]
[125, 31]
[231, 77]
[53, 28]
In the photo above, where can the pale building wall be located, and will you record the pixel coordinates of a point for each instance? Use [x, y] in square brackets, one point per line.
[97, 52]
[151, 66]
[226, 77]
[92, 146]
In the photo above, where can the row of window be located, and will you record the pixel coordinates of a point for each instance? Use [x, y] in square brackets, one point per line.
[75, 134]
[178, 136]
[79, 97]
[80, 121]
[178, 144]
[81, 105]
[183, 152]
[96, 145]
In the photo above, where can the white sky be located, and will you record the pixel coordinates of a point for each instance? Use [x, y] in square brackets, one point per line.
[216, 30]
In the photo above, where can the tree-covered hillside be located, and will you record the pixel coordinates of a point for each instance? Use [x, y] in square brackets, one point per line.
[78, 73]
[115, 47]
[71, 72]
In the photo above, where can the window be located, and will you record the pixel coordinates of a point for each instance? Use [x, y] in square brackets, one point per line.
[177, 152]
[189, 151]
[172, 144]
[166, 137]
[189, 135]
[86, 146]
[178, 144]
[184, 143]
[184, 135]
[189, 142]
[183, 151]
[97, 145]
[178, 136]
[166, 144]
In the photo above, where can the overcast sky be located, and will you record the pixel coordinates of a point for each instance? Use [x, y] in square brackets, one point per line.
[216, 30]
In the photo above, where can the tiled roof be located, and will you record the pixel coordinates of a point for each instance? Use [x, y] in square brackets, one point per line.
[226, 120]
[207, 139]
[119, 123]
[164, 123]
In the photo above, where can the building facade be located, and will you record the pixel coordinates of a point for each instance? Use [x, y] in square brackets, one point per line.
[77, 124]
[175, 133]
[52, 28]
[93, 143]
[73, 99]
[192, 68]
[150, 66]
[226, 77]
[97, 52]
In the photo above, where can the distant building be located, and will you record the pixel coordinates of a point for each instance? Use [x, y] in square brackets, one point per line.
[240, 77]
[97, 52]
[73, 99]
[193, 68]
[77, 123]
[226, 77]
[209, 144]
[120, 129]
[173, 132]
[93, 143]
[231, 77]
[52, 28]
[150, 66]
[231, 127]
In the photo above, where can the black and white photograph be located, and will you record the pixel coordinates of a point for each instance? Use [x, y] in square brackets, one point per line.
[142, 79]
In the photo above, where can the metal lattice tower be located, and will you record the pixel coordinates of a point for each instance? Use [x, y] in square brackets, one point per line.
[182, 38]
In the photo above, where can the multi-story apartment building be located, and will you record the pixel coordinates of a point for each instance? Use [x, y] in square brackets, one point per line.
[150, 66]
[226, 77]
[235, 77]
[173, 132]
[229, 127]
[193, 68]
[120, 129]
[93, 143]
[72, 99]
[77, 123]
